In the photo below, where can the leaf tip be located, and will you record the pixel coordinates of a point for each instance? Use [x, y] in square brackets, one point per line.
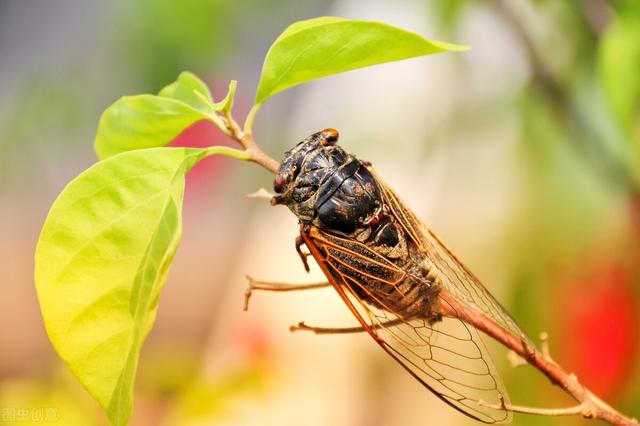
[453, 47]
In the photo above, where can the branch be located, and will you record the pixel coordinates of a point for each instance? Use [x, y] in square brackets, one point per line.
[245, 139]
[590, 406]
[569, 411]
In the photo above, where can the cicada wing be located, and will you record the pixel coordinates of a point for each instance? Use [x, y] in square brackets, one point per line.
[455, 277]
[466, 287]
[447, 356]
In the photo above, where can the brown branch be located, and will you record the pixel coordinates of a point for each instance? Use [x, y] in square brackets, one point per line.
[552, 412]
[590, 406]
[245, 139]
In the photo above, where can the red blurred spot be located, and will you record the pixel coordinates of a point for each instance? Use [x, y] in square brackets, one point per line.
[255, 342]
[598, 327]
[207, 173]
[634, 210]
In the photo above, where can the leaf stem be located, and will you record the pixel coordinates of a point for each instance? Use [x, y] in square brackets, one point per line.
[229, 127]
[212, 115]
[245, 139]
[229, 152]
[248, 123]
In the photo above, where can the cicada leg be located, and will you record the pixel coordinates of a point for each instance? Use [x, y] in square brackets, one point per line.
[341, 330]
[277, 286]
[303, 255]
[301, 326]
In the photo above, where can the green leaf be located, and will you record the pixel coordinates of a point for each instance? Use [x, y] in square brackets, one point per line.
[319, 47]
[185, 88]
[143, 121]
[619, 63]
[102, 260]
[148, 121]
[227, 103]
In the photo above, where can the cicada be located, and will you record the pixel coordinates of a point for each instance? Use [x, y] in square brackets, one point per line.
[406, 289]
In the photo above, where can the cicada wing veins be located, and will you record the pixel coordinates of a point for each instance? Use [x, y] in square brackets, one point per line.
[455, 277]
[466, 287]
[446, 356]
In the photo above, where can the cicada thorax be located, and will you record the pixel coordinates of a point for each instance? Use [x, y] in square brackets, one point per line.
[336, 193]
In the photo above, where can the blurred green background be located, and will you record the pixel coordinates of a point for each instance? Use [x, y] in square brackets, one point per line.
[522, 153]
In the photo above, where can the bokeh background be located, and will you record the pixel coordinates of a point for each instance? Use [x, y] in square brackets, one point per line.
[522, 153]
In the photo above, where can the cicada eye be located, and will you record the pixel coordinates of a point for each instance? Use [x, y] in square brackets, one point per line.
[278, 183]
[329, 136]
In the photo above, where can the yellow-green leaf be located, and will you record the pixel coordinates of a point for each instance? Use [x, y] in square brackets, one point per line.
[147, 121]
[184, 89]
[142, 121]
[619, 63]
[320, 47]
[102, 260]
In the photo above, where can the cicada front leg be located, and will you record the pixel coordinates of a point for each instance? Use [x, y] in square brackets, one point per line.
[277, 286]
[303, 255]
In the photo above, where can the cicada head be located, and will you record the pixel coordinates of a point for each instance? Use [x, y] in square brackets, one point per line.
[304, 168]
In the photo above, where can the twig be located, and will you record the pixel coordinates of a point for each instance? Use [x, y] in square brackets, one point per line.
[245, 139]
[261, 194]
[515, 360]
[544, 345]
[590, 406]
[569, 411]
